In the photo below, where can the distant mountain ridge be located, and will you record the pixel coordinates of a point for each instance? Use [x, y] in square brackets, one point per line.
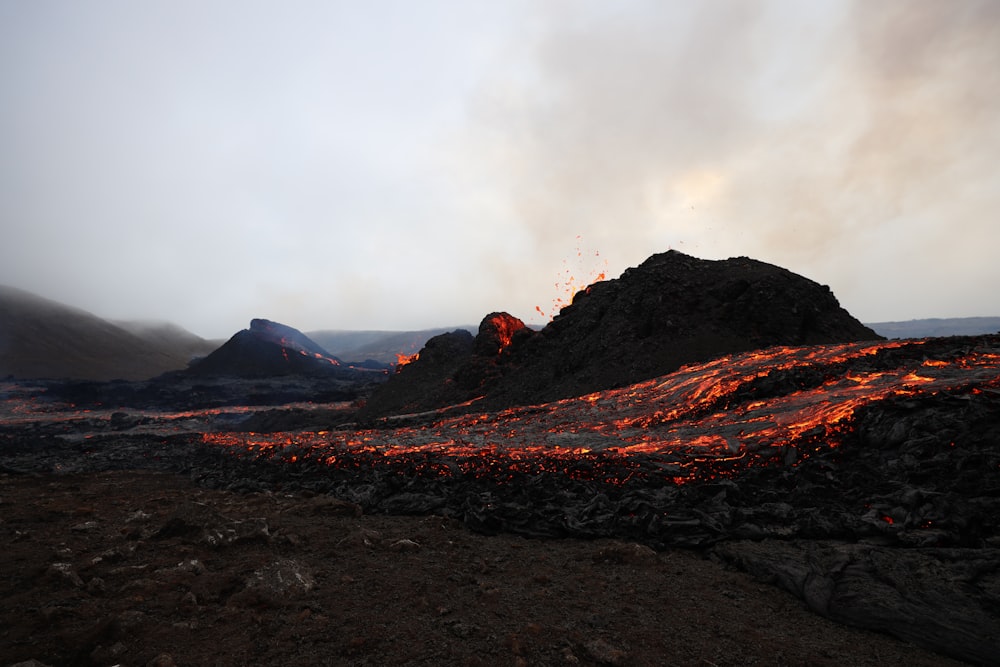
[41, 338]
[45, 339]
[935, 326]
[382, 346]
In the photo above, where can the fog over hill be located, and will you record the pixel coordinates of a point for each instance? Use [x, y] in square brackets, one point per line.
[44, 339]
[40, 338]
[925, 328]
[383, 346]
[161, 332]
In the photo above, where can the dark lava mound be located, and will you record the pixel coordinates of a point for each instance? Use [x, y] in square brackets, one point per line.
[452, 368]
[671, 310]
[267, 349]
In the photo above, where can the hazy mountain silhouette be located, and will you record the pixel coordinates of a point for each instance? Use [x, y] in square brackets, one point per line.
[926, 328]
[383, 346]
[41, 338]
[161, 332]
[268, 349]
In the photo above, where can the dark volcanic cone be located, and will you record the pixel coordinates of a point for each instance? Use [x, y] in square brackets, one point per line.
[671, 310]
[267, 349]
[425, 383]
[452, 368]
[496, 333]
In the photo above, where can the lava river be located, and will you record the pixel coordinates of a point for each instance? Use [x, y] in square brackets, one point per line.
[772, 407]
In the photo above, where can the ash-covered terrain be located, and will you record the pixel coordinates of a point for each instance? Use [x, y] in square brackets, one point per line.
[729, 408]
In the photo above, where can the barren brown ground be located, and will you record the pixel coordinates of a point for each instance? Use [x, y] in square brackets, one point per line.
[137, 568]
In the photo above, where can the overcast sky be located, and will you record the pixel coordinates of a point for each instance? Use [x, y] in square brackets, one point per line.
[402, 165]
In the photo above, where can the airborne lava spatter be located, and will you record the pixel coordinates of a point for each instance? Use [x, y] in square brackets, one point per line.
[568, 283]
[771, 407]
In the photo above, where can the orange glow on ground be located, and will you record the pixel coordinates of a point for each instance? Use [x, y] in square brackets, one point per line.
[703, 421]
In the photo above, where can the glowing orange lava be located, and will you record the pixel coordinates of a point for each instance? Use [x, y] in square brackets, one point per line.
[701, 421]
[403, 359]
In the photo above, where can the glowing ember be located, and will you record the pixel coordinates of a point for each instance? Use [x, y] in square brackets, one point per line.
[567, 285]
[497, 331]
[403, 359]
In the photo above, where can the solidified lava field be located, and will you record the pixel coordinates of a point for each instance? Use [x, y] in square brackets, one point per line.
[863, 478]
[140, 568]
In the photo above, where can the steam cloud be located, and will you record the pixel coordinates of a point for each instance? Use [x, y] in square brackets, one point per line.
[408, 165]
[855, 143]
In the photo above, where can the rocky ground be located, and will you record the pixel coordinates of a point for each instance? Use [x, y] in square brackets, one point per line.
[864, 494]
[144, 568]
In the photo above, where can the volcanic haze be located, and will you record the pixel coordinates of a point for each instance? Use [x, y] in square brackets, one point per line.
[394, 165]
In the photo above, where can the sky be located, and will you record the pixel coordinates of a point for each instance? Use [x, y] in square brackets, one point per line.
[408, 165]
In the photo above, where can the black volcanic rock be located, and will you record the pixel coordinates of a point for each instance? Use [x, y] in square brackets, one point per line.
[287, 337]
[268, 349]
[672, 310]
[669, 311]
[426, 382]
[452, 368]
[891, 521]
[496, 333]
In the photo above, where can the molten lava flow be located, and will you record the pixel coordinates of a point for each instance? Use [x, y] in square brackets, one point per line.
[505, 338]
[403, 359]
[289, 344]
[770, 407]
[20, 408]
